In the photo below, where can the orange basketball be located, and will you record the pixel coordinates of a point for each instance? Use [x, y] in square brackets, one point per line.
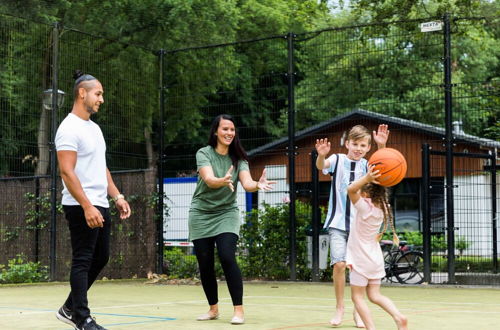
[391, 164]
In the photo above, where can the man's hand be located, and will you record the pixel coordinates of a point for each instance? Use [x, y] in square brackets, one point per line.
[381, 136]
[322, 147]
[93, 217]
[123, 207]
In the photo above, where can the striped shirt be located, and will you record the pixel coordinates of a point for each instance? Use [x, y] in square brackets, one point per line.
[343, 171]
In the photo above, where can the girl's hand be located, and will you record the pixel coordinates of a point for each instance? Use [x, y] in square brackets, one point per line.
[322, 147]
[372, 175]
[264, 184]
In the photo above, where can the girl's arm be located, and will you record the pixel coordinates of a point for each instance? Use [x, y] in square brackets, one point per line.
[353, 190]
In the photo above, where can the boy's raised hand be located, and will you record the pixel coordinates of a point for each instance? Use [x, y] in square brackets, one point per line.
[322, 147]
[381, 135]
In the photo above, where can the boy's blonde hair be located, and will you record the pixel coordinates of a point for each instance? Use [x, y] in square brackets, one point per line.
[359, 132]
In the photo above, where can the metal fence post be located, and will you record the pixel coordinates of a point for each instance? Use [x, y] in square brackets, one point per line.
[315, 217]
[37, 219]
[494, 210]
[450, 223]
[426, 212]
[161, 160]
[291, 155]
[52, 148]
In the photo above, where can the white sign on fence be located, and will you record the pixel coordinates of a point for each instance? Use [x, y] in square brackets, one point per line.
[431, 26]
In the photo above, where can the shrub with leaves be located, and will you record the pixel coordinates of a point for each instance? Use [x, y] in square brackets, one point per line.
[20, 271]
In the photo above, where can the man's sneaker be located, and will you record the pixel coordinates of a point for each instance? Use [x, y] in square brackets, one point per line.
[65, 315]
[89, 324]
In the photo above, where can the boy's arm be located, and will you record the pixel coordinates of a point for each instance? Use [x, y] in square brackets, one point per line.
[322, 163]
[381, 136]
[323, 148]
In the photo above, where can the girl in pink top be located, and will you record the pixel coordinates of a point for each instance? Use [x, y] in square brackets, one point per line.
[364, 255]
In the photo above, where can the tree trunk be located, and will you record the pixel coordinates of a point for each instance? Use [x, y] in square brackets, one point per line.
[43, 135]
[149, 148]
[43, 143]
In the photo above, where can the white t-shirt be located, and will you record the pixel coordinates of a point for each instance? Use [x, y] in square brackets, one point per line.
[85, 137]
[343, 171]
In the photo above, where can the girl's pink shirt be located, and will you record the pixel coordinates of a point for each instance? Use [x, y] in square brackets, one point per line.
[363, 250]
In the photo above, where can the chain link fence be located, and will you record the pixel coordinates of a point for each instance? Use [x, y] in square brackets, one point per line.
[284, 92]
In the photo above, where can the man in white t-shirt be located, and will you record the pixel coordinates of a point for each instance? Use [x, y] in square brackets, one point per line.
[81, 152]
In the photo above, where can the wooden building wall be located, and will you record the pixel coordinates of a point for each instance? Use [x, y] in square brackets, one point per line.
[407, 141]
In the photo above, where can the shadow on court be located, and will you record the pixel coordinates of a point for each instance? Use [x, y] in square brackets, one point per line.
[268, 305]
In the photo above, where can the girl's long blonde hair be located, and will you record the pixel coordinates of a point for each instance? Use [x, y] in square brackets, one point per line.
[380, 198]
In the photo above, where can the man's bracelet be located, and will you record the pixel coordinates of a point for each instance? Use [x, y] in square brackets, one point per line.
[117, 197]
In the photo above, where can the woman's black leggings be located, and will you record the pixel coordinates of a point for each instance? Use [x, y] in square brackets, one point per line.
[226, 248]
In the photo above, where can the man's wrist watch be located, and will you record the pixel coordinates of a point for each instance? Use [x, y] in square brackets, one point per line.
[117, 197]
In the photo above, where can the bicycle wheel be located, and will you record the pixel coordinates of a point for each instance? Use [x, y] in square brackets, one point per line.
[409, 268]
[389, 260]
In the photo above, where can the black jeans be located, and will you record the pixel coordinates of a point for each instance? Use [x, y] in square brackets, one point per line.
[90, 254]
[226, 248]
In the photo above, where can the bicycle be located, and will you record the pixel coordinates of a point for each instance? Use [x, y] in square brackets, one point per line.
[402, 262]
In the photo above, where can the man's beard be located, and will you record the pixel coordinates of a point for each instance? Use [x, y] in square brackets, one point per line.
[90, 110]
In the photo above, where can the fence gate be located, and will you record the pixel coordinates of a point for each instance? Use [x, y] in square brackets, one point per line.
[460, 238]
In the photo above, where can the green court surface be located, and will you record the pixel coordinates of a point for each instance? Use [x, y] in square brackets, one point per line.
[268, 305]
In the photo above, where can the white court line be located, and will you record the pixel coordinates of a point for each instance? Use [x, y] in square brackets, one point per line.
[400, 301]
[291, 306]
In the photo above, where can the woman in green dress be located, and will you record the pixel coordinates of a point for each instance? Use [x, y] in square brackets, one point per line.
[214, 218]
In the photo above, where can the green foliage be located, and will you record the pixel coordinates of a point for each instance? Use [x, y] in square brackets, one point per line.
[263, 250]
[438, 242]
[462, 244]
[265, 243]
[20, 271]
[179, 265]
[462, 264]
[38, 210]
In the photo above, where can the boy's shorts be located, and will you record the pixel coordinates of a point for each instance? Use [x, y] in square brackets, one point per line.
[338, 245]
[357, 279]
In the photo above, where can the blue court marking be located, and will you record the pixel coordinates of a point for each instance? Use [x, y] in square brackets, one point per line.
[152, 318]
[141, 316]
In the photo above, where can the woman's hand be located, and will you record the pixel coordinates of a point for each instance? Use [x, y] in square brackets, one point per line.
[228, 178]
[264, 184]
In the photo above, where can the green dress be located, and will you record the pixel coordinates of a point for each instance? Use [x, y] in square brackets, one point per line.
[214, 211]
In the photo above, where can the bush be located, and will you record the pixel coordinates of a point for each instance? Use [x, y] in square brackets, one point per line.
[19, 271]
[177, 264]
[462, 264]
[263, 250]
[265, 242]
